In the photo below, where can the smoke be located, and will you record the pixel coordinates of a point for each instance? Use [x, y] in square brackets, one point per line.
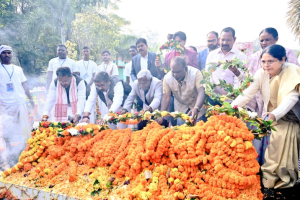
[14, 131]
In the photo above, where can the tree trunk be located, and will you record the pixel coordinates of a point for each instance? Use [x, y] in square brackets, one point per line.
[62, 29]
[117, 60]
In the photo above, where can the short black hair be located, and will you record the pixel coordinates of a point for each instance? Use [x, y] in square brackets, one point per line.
[86, 48]
[275, 50]
[63, 71]
[229, 29]
[271, 31]
[102, 76]
[195, 49]
[179, 60]
[133, 47]
[213, 32]
[105, 51]
[62, 45]
[181, 35]
[141, 40]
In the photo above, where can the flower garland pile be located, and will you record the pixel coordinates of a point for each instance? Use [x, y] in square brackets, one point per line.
[170, 45]
[231, 92]
[212, 160]
[136, 117]
[263, 127]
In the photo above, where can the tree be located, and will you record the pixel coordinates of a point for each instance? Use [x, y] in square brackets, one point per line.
[293, 17]
[97, 32]
[123, 48]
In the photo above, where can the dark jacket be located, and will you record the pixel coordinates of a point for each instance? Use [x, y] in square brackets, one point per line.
[110, 94]
[136, 65]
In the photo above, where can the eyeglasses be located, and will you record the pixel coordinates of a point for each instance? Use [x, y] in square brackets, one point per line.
[269, 62]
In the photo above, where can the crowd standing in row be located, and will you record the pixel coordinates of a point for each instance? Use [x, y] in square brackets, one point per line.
[78, 91]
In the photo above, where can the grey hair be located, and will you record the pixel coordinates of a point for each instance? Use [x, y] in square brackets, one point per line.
[144, 73]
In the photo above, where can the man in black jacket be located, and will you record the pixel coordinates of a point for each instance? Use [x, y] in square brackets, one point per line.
[143, 60]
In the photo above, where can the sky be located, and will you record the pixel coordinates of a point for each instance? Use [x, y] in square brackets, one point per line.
[198, 17]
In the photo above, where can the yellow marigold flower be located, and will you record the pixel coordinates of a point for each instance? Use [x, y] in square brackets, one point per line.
[233, 144]
[174, 170]
[3, 175]
[248, 145]
[226, 138]
[50, 129]
[170, 180]
[176, 194]
[177, 181]
[164, 113]
[221, 132]
[55, 123]
[185, 117]
[127, 179]
[89, 130]
[178, 46]
[223, 98]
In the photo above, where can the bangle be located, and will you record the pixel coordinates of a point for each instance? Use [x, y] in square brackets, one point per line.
[85, 117]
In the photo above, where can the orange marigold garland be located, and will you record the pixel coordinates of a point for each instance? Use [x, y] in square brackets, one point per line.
[212, 160]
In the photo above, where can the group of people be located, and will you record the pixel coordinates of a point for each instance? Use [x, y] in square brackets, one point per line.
[78, 91]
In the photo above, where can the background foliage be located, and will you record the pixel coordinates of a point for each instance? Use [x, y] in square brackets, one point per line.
[34, 28]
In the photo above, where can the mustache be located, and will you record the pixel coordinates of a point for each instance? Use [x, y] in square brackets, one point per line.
[225, 45]
[140, 50]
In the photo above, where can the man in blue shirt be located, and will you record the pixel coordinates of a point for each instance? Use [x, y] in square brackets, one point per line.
[212, 44]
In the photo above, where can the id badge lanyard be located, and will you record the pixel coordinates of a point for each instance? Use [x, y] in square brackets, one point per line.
[10, 75]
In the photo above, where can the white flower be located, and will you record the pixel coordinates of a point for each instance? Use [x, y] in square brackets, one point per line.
[35, 125]
[106, 118]
[73, 131]
[82, 124]
[240, 109]
[175, 113]
[252, 115]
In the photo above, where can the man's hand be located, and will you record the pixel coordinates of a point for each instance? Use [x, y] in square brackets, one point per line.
[160, 120]
[235, 70]
[271, 116]
[157, 63]
[124, 111]
[100, 122]
[44, 119]
[75, 119]
[194, 112]
[148, 109]
[86, 120]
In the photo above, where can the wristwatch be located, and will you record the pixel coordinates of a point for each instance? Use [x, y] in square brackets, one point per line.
[197, 108]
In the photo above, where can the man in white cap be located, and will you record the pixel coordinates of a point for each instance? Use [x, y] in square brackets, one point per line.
[14, 121]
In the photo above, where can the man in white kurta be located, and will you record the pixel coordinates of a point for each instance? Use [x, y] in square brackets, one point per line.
[110, 94]
[108, 66]
[87, 70]
[226, 52]
[67, 95]
[14, 122]
[61, 61]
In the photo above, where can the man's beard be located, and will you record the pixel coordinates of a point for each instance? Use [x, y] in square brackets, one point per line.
[212, 47]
